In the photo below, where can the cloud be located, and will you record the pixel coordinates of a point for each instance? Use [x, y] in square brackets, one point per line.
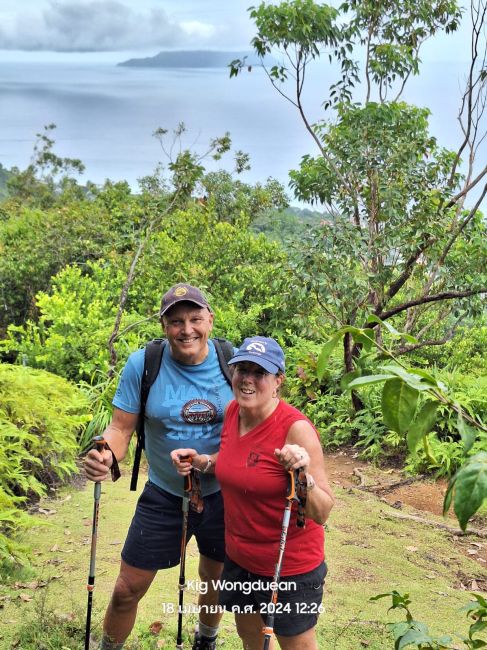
[199, 29]
[95, 25]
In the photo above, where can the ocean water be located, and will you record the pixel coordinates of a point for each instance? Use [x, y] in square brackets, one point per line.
[106, 115]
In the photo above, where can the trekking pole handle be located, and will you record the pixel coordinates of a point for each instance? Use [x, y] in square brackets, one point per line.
[99, 443]
[188, 482]
[291, 484]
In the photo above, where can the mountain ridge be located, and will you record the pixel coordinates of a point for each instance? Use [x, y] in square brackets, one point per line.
[191, 59]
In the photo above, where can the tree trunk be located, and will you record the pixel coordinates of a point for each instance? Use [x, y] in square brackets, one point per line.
[357, 403]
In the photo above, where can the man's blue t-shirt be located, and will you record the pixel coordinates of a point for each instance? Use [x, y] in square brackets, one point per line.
[184, 409]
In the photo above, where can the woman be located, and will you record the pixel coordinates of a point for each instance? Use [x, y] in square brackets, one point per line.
[262, 439]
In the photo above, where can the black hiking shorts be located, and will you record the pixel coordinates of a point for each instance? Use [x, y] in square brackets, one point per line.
[154, 537]
[299, 599]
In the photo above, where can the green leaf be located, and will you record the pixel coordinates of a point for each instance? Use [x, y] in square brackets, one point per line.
[476, 628]
[409, 378]
[368, 380]
[422, 424]
[364, 337]
[474, 604]
[409, 338]
[470, 488]
[426, 376]
[417, 635]
[399, 402]
[392, 330]
[326, 350]
[379, 596]
[467, 433]
[348, 377]
[449, 495]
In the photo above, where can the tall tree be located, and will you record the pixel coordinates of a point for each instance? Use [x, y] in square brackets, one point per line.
[406, 239]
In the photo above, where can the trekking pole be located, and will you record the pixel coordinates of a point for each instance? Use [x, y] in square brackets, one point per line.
[99, 443]
[291, 496]
[188, 486]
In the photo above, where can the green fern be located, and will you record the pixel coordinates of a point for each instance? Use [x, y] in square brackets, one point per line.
[41, 416]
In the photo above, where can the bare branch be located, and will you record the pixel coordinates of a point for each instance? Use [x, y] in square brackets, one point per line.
[444, 295]
[367, 60]
[423, 344]
[463, 224]
[474, 84]
[405, 275]
[273, 82]
[466, 189]
[325, 307]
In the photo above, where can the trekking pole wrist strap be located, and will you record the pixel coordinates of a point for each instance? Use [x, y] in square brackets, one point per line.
[114, 469]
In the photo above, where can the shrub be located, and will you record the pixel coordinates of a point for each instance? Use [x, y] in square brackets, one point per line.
[40, 417]
[77, 316]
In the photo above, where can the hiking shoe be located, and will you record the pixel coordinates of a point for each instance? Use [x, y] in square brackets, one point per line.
[203, 642]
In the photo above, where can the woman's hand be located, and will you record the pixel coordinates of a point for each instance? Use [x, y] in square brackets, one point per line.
[293, 457]
[183, 467]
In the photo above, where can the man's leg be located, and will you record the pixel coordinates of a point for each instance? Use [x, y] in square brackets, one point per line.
[130, 587]
[209, 571]
[209, 615]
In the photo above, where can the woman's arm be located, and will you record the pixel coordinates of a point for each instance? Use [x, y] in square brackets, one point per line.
[303, 451]
[204, 463]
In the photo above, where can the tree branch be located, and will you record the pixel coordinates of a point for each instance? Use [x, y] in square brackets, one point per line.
[468, 101]
[467, 189]
[463, 224]
[410, 348]
[444, 295]
[405, 275]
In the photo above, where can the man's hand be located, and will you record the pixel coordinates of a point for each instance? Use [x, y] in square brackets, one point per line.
[97, 464]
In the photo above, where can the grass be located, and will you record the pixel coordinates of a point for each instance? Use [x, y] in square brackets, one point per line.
[43, 608]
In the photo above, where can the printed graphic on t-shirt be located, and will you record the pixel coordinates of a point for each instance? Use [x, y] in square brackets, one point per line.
[198, 411]
[189, 412]
[252, 459]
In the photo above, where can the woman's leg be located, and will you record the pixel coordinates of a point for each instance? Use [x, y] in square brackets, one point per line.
[304, 641]
[249, 628]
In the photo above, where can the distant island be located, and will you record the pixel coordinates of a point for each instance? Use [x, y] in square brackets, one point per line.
[191, 59]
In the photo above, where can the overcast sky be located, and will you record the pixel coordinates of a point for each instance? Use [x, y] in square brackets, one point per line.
[146, 26]
[121, 25]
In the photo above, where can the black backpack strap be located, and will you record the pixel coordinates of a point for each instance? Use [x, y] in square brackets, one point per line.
[152, 363]
[224, 351]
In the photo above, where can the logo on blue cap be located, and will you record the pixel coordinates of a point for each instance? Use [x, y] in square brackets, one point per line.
[257, 346]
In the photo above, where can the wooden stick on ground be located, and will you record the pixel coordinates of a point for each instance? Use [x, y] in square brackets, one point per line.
[436, 524]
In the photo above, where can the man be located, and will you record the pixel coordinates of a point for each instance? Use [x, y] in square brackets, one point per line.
[185, 407]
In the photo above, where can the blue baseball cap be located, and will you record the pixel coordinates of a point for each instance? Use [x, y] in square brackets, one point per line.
[263, 351]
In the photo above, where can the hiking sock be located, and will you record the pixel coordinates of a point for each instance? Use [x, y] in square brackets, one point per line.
[206, 641]
[207, 631]
[106, 644]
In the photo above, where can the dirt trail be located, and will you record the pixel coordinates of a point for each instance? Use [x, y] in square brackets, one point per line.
[404, 493]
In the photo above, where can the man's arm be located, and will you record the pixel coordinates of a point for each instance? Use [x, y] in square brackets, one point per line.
[117, 434]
